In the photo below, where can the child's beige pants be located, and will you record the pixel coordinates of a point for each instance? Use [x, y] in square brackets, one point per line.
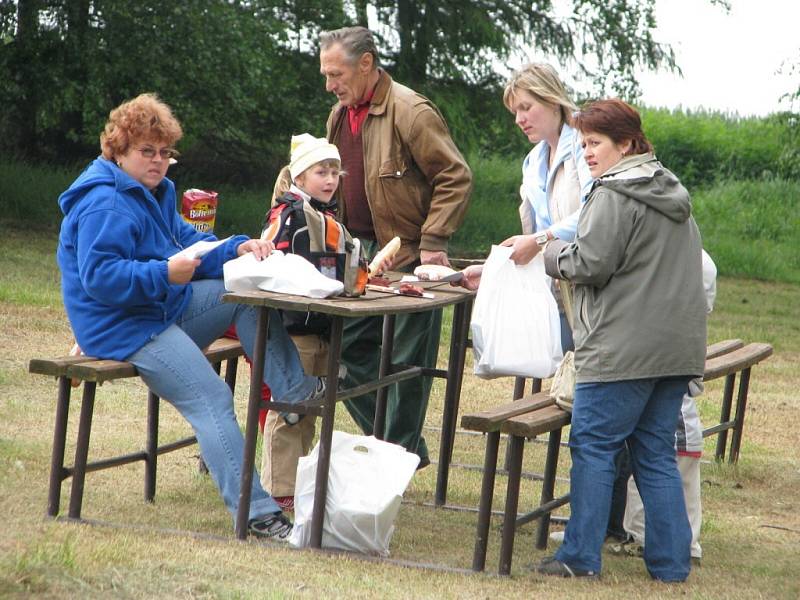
[689, 468]
[285, 444]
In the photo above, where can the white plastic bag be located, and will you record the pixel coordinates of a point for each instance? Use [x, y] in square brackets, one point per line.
[515, 325]
[279, 272]
[366, 481]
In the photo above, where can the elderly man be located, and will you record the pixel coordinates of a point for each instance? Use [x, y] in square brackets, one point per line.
[406, 178]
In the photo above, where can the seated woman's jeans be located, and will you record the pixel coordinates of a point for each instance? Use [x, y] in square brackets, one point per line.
[643, 412]
[173, 366]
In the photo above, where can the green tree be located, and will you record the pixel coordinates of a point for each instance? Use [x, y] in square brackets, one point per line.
[454, 40]
[241, 76]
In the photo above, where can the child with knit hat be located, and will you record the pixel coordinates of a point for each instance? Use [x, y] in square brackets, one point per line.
[303, 192]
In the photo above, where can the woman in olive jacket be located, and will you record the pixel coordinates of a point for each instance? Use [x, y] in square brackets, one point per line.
[640, 336]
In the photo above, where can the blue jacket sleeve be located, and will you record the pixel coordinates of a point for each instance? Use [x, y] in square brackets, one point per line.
[211, 264]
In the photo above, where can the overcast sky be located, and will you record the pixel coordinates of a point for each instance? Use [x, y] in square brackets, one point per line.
[730, 62]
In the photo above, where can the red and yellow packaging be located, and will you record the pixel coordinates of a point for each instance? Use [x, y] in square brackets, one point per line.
[199, 209]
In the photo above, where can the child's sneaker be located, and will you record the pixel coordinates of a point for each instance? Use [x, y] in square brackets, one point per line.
[629, 547]
[276, 526]
[557, 536]
[285, 502]
[315, 397]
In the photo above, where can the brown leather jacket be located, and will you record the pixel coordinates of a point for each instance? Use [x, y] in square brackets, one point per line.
[417, 182]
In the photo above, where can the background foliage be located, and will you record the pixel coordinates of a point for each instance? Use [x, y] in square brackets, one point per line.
[704, 147]
[243, 75]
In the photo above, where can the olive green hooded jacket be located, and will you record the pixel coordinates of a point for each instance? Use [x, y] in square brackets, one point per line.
[636, 265]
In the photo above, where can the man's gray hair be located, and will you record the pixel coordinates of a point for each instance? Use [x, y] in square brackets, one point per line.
[355, 41]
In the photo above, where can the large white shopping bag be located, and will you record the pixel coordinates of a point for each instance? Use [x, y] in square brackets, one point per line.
[366, 481]
[515, 325]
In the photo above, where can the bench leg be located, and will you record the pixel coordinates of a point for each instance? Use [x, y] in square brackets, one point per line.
[548, 485]
[59, 443]
[741, 405]
[517, 394]
[517, 444]
[82, 450]
[485, 506]
[725, 415]
[151, 451]
[230, 372]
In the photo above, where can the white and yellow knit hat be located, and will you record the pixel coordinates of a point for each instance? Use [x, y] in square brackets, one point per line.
[308, 150]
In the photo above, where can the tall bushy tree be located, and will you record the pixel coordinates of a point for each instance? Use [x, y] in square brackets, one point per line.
[242, 75]
[454, 40]
[229, 69]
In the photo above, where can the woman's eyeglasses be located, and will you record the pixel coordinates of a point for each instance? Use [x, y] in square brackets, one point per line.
[166, 153]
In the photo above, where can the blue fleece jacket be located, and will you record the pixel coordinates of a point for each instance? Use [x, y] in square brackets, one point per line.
[115, 239]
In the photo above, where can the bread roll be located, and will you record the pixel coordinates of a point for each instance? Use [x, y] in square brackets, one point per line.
[432, 272]
[388, 251]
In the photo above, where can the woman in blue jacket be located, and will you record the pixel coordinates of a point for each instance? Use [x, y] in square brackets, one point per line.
[127, 300]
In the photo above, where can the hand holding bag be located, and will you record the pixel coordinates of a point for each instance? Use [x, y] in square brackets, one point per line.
[366, 481]
[515, 325]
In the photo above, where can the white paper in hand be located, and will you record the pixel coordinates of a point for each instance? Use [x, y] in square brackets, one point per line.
[199, 249]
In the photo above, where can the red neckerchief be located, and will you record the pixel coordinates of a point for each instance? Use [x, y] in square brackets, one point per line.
[356, 115]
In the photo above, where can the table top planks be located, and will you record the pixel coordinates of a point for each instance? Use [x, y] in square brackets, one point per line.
[370, 304]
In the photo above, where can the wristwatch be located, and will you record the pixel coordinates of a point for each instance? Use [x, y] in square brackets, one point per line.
[541, 237]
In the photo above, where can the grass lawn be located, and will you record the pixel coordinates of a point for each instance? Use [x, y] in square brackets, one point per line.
[182, 546]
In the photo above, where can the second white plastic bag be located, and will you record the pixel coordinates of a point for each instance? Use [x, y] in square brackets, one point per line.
[279, 272]
[515, 325]
[366, 481]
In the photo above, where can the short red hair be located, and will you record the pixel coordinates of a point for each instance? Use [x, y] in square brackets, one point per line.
[145, 118]
[616, 119]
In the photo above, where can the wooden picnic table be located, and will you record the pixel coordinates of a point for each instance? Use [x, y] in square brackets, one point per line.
[373, 303]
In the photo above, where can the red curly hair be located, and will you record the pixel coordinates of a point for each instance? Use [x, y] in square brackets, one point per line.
[145, 118]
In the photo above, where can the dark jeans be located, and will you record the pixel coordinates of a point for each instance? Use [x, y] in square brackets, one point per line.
[619, 496]
[606, 415]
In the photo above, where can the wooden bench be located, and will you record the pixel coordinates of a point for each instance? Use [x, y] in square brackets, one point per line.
[722, 361]
[93, 372]
[537, 414]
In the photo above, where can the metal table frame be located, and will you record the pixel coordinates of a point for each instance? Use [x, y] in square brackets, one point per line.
[372, 304]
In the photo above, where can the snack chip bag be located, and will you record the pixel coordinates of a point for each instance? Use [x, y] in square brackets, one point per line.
[199, 209]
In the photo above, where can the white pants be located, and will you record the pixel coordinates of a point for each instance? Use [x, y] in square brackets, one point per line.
[689, 468]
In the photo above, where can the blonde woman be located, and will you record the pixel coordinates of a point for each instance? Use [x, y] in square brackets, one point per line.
[555, 178]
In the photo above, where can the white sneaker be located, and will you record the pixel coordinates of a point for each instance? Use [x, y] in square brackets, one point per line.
[557, 536]
[316, 395]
